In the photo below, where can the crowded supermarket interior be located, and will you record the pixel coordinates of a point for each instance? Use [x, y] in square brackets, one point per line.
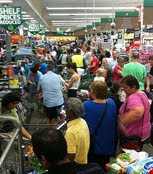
[76, 86]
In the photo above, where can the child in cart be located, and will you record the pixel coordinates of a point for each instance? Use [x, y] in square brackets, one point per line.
[8, 107]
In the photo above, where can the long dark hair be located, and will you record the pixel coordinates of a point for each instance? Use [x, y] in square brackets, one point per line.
[73, 66]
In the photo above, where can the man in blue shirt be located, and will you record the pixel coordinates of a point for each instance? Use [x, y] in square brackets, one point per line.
[50, 84]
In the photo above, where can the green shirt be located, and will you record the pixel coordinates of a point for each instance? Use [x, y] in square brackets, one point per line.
[13, 113]
[137, 70]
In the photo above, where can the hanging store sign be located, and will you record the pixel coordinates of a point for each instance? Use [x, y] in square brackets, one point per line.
[34, 28]
[10, 18]
[105, 24]
[42, 31]
[126, 20]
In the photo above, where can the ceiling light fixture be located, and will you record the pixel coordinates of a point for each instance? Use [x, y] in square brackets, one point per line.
[68, 30]
[65, 25]
[26, 16]
[91, 8]
[5, 1]
[23, 12]
[85, 3]
[80, 21]
[80, 14]
[94, 5]
[86, 18]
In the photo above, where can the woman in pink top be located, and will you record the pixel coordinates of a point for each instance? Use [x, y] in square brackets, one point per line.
[134, 118]
[117, 73]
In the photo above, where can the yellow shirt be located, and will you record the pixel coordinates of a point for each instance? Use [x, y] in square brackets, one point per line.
[78, 59]
[78, 139]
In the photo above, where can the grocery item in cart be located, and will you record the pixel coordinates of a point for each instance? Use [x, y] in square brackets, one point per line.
[142, 167]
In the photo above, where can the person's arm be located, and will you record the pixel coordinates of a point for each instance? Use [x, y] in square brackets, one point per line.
[92, 66]
[71, 157]
[71, 145]
[26, 133]
[106, 72]
[29, 81]
[148, 79]
[124, 71]
[132, 116]
[72, 80]
[50, 58]
[118, 71]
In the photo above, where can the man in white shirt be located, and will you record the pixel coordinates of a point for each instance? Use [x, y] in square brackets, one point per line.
[113, 61]
[88, 56]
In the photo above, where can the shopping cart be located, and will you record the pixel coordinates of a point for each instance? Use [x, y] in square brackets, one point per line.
[86, 81]
[11, 152]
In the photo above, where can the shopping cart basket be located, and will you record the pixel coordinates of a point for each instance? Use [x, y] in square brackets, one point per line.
[86, 81]
[11, 158]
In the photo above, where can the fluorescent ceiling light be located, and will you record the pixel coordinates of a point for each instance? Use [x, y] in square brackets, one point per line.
[71, 24]
[23, 12]
[80, 14]
[65, 25]
[81, 21]
[6, 1]
[91, 8]
[26, 16]
[33, 20]
[83, 18]
[68, 30]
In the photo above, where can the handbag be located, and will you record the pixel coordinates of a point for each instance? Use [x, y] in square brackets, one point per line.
[132, 142]
[92, 137]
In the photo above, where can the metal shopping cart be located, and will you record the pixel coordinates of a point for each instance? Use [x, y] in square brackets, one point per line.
[11, 152]
[86, 81]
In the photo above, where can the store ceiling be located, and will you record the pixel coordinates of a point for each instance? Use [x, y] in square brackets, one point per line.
[65, 14]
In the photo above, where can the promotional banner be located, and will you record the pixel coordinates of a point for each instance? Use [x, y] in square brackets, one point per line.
[145, 52]
[10, 18]
[34, 27]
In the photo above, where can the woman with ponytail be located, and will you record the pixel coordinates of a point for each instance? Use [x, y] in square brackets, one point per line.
[72, 84]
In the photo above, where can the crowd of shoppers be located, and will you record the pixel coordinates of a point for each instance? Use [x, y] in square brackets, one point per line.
[95, 126]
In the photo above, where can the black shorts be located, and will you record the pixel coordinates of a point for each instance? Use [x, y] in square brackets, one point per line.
[72, 93]
[53, 112]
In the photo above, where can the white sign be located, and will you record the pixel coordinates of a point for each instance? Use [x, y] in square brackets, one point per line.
[34, 27]
[10, 16]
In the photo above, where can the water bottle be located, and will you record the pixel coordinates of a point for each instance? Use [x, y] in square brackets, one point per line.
[122, 96]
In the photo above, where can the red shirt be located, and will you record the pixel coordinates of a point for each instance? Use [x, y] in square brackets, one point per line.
[117, 77]
[94, 60]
